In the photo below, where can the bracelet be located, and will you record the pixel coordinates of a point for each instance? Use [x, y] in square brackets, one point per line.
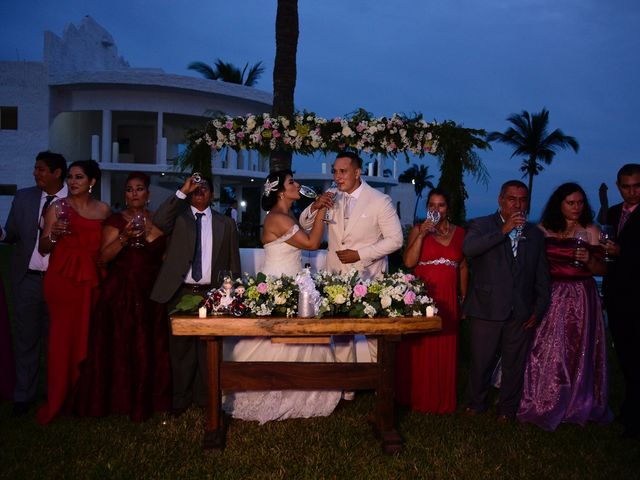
[51, 238]
[123, 240]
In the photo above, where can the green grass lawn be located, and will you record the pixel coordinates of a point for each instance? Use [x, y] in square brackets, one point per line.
[338, 446]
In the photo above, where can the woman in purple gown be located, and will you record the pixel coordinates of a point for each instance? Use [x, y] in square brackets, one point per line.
[566, 372]
[127, 365]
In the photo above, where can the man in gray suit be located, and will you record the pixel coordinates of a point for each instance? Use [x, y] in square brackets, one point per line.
[508, 294]
[27, 271]
[203, 243]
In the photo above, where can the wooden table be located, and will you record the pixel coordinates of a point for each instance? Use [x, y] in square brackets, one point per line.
[236, 376]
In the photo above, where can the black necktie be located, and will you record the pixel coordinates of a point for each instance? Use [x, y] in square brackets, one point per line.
[196, 266]
[47, 202]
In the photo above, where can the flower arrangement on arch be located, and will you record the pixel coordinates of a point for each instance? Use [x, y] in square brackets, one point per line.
[305, 133]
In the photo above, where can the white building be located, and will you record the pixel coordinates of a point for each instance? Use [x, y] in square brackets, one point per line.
[85, 101]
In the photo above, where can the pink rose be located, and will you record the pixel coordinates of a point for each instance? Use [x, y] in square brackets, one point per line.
[262, 288]
[276, 134]
[409, 278]
[359, 290]
[409, 297]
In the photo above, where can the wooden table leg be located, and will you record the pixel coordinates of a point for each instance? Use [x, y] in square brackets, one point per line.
[215, 428]
[385, 405]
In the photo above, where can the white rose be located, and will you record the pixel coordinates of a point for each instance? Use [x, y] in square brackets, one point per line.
[279, 299]
[339, 299]
[285, 122]
[251, 123]
[347, 132]
[293, 133]
[385, 301]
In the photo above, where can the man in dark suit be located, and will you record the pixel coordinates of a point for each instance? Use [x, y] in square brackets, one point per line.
[621, 288]
[508, 294]
[27, 271]
[203, 243]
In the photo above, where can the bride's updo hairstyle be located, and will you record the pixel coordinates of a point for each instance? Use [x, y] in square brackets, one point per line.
[272, 188]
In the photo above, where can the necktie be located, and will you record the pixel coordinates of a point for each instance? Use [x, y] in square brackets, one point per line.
[514, 242]
[623, 219]
[196, 265]
[348, 199]
[47, 202]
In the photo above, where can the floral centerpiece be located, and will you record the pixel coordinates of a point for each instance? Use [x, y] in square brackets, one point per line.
[305, 133]
[388, 295]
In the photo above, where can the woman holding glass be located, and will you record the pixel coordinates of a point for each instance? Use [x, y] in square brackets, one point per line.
[426, 371]
[566, 371]
[127, 367]
[72, 235]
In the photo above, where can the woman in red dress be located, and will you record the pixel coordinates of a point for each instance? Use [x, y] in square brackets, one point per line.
[71, 282]
[427, 364]
[127, 366]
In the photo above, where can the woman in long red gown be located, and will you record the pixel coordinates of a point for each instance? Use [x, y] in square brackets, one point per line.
[427, 365]
[71, 283]
[127, 367]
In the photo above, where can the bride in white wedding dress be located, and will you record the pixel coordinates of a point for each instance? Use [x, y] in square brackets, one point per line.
[283, 241]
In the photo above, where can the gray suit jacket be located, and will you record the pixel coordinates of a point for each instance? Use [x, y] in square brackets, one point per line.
[501, 284]
[174, 217]
[22, 230]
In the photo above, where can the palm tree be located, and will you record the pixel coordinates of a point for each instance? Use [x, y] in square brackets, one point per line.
[457, 157]
[419, 176]
[228, 72]
[530, 138]
[285, 70]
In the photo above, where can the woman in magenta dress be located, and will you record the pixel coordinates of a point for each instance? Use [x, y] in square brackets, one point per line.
[71, 282]
[566, 372]
[127, 366]
[426, 373]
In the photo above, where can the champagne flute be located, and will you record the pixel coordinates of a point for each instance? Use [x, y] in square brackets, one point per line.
[63, 214]
[606, 233]
[197, 177]
[581, 238]
[434, 217]
[308, 192]
[138, 224]
[328, 216]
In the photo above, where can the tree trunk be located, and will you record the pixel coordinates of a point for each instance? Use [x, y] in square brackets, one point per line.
[532, 169]
[284, 70]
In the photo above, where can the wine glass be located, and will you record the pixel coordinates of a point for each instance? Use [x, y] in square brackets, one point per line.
[138, 226]
[581, 238]
[606, 233]
[197, 177]
[328, 216]
[520, 228]
[434, 217]
[308, 192]
[63, 213]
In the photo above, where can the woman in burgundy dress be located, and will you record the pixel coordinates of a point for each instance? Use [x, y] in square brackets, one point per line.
[426, 371]
[127, 366]
[71, 282]
[566, 371]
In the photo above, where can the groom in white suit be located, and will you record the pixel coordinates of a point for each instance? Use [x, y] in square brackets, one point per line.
[365, 229]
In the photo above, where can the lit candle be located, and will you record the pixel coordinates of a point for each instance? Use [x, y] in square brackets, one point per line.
[202, 312]
[371, 169]
[430, 311]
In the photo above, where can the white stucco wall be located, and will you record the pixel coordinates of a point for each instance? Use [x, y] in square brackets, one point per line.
[22, 84]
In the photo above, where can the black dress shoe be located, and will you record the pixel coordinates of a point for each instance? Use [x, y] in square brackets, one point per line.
[20, 408]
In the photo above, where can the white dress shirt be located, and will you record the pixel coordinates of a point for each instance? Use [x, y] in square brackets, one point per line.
[38, 261]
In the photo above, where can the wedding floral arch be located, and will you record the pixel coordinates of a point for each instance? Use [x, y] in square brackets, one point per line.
[306, 133]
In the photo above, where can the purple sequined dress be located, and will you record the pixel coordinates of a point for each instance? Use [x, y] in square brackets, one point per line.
[566, 372]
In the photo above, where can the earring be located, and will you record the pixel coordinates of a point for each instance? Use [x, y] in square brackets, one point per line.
[90, 189]
[281, 196]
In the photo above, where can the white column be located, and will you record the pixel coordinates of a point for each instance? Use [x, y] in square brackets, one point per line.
[380, 160]
[95, 148]
[395, 168]
[106, 136]
[115, 152]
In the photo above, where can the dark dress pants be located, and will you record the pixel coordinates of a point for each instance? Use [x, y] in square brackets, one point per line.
[488, 339]
[188, 355]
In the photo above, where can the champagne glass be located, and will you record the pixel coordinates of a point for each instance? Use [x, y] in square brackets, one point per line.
[606, 233]
[138, 225]
[520, 228]
[581, 238]
[328, 216]
[197, 177]
[434, 217]
[63, 214]
[308, 192]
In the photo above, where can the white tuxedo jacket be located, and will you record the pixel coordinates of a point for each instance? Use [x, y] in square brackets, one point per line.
[373, 230]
